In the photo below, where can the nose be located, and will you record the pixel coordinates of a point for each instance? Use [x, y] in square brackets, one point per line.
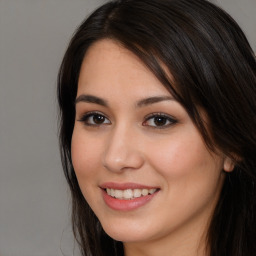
[122, 151]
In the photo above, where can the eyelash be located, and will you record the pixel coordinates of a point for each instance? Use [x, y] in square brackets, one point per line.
[88, 115]
[165, 118]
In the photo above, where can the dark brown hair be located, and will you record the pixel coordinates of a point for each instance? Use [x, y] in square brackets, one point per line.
[214, 69]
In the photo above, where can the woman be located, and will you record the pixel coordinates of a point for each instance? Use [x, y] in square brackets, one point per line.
[157, 131]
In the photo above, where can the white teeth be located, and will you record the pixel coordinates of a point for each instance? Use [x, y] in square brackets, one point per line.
[119, 193]
[137, 192]
[145, 192]
[128, 194]
[112, 192]
[152, 191]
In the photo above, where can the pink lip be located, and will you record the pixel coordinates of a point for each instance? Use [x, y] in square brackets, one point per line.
[125, 205]
[123, 186]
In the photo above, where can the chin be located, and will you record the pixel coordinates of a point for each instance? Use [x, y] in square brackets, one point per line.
[127, 233]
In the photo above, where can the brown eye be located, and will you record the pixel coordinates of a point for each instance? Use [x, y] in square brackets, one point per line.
[98, 119]
[94, 119]
[159, 121]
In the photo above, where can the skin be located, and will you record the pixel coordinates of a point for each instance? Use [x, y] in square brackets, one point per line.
[128, 146]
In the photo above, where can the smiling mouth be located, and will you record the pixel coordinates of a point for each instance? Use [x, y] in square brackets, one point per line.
[129, 194]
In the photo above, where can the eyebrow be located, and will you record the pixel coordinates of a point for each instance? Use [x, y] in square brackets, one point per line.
[91, 99]
[152, 100]
[102, 102]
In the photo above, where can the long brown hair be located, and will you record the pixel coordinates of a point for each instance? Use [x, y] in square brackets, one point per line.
[213, 68]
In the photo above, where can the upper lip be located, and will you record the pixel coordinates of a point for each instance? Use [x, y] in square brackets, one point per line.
[123, 186]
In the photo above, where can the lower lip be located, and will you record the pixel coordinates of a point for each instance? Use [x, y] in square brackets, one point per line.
[126, 205]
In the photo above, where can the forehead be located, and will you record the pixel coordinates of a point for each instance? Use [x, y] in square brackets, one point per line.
[107, 64]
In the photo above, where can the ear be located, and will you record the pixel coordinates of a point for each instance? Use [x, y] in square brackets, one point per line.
[228, 164]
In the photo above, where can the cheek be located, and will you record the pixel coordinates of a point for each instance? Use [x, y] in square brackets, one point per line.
[86, 162]
[191, 176]
[186, 162]
[85, 154]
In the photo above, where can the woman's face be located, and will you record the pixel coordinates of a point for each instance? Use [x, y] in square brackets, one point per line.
[141, 164]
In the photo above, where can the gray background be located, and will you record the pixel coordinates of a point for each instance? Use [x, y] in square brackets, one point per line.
[34, 199]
